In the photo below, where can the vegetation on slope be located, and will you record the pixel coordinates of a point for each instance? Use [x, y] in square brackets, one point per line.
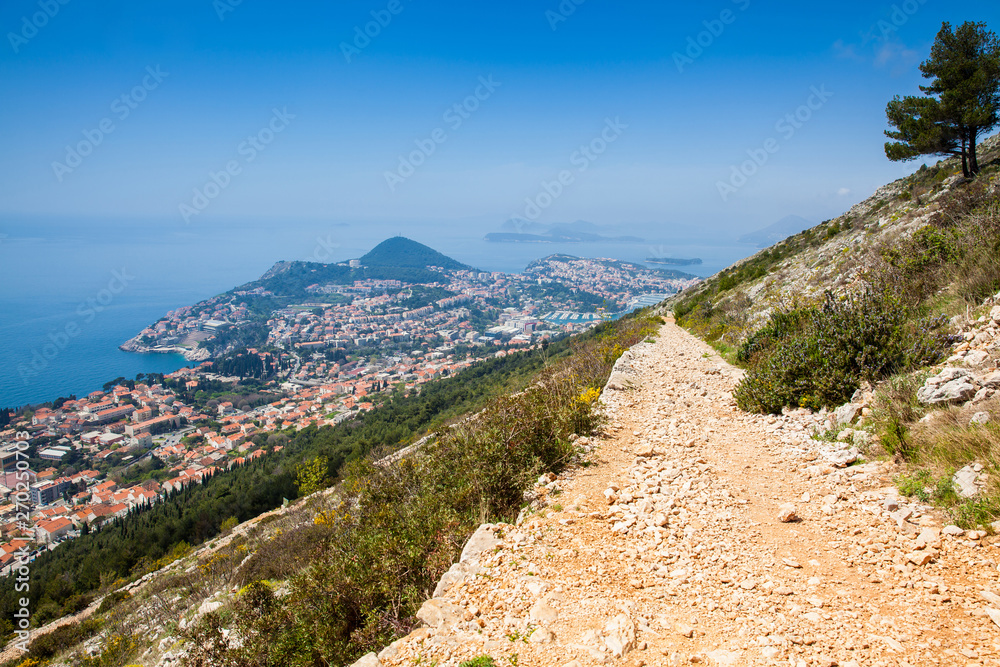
[378, 546]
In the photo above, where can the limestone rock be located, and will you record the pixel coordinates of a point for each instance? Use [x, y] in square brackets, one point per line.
[949, 386]
[439, 613]
[208, 606]
[483, 540]
[541, 636]
[846, 414]
[370, 660]
[723, 658]
[967, 480]
[619, 635]
[992, 380]
[844, 457]
[543, 612]
[980, 419]
[618, 382]
[976, 358]
[787, 514]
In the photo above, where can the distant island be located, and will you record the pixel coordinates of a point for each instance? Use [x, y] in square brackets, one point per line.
[673, 261]
[526, 231]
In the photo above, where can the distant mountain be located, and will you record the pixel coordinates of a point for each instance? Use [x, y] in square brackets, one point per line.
[517, 230]
[397, 258]
[779, 231]
[401, 253]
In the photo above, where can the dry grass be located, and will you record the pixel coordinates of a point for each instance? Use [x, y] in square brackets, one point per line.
[932, 450]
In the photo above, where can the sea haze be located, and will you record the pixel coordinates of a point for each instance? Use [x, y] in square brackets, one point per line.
[75, 290]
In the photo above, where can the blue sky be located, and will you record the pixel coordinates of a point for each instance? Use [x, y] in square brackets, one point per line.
[271, 80]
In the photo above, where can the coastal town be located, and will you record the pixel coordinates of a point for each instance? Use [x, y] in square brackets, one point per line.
[314, 363]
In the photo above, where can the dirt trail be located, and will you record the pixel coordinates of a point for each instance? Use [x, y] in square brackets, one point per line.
[669, 550]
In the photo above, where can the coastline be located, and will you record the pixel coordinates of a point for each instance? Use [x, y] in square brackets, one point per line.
[132, 345]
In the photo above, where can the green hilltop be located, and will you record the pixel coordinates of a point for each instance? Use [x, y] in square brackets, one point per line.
[397, 258]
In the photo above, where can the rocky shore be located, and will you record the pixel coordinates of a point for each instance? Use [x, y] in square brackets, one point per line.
[133, 345]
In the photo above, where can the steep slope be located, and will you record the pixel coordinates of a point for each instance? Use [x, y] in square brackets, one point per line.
[833, 255]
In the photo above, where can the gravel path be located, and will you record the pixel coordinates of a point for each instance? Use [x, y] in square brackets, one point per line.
[704, 535]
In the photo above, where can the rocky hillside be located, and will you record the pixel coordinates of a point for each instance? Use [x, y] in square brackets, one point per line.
[838, 253]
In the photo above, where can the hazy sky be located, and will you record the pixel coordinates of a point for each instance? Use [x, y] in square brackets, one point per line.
[123, 110]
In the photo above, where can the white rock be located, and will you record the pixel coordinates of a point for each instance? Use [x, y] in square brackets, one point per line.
[483, 540]
[208, 606]
[619, 635]
[543, 612]
[724, 658]
[846, 414]
[786, 513]
[966, 481]
[952, 530]
[541, 636]
[991, 597]
[370, 660]
[980, 419]
[843, 457]
[992, 380]
[976, 358]
[928, 537]
[955, 391]
[439, 613]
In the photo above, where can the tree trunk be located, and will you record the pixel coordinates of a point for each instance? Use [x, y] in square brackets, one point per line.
[973, 158]
[965, 154]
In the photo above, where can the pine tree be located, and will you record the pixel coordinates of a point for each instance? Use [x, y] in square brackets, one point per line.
[961, 103]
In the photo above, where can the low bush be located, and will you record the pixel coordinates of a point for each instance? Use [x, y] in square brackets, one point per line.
[61, 639]
[818, 357]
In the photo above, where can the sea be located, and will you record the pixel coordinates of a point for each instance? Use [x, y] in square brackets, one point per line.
[72, 291]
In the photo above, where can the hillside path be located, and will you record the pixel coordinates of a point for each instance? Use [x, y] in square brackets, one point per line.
[669, 550]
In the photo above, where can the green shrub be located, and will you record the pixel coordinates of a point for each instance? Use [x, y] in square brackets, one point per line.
[62, 639]
[820, 356]
[112, 600]
[481, 661]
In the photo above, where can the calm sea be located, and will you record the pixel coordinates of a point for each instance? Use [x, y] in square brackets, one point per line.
[72, 291]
